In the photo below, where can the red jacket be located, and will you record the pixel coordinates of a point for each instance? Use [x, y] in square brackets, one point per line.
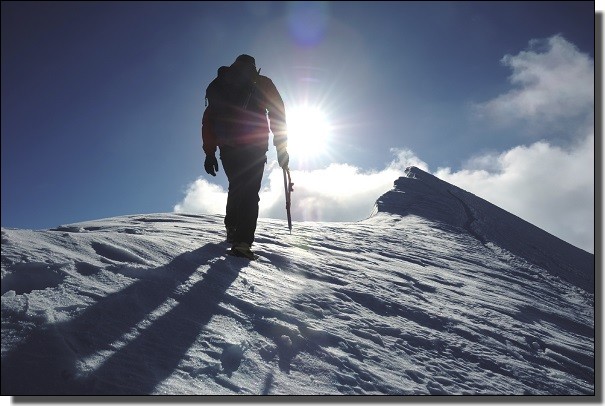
[238, 115]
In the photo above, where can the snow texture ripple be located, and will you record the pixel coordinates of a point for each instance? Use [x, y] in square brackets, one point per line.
[437, 293]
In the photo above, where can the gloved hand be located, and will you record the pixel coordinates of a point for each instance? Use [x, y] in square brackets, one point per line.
[283, 158]
[211, 165]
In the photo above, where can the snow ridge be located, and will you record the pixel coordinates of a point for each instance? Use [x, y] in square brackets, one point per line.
[422, 194]
[408, 302]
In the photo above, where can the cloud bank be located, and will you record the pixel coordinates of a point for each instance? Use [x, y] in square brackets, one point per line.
[340, 192]
[551, 187]
[553, 89]
[548, 185]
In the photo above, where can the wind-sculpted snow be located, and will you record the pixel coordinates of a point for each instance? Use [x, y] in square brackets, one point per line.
[424, 195]
[395, 304]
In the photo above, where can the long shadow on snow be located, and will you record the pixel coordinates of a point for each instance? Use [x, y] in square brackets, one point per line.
[46, 363]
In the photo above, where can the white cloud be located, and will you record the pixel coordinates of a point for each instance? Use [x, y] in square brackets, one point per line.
[551, 187]
[553, 86]
[203, 197]
[340, 192]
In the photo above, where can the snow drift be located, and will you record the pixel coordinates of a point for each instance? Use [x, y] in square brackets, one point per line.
[438, 292]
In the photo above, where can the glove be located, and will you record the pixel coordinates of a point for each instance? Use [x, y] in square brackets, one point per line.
[211, 165]
[283, 158]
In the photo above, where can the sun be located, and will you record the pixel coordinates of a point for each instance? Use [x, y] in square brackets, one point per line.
[308, 131]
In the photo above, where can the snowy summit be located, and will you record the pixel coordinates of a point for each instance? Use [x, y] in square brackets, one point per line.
[438, 292]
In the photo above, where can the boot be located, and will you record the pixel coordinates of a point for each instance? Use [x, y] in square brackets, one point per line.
[242, 249]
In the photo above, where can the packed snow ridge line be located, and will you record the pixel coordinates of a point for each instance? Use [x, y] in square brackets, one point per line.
[422, 194]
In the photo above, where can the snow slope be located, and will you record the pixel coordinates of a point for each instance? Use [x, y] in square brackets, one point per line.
[438, 292]
[432, 198]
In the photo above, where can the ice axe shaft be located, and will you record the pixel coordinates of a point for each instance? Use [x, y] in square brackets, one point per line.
[288, 188]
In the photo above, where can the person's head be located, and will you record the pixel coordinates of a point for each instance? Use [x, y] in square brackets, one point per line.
[245, 65]
[244, 60]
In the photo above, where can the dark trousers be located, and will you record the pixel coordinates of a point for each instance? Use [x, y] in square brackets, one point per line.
[244, 167]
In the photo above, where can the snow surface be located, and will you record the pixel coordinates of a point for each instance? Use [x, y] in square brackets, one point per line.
[437, 293]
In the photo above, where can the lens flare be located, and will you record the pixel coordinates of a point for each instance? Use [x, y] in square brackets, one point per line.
[307, 21]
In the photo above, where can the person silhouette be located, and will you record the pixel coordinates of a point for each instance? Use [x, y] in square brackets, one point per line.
[242, 108]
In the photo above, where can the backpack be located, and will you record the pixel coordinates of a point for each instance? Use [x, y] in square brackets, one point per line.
[237, 108]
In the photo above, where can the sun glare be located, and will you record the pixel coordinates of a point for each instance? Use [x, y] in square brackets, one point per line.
[308, 131]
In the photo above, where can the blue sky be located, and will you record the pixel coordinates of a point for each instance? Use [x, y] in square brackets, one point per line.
[101, 102]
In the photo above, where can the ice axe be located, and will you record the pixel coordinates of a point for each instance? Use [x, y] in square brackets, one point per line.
[288, 188]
